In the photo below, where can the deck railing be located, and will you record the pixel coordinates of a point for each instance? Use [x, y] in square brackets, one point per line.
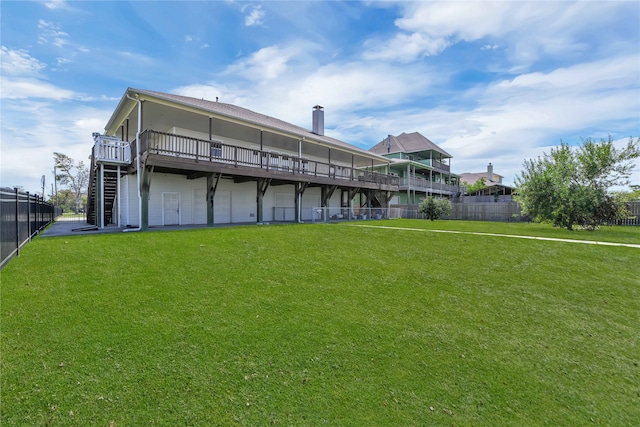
[180, 146]
[441, 166]
[425, 184]
[111, 150]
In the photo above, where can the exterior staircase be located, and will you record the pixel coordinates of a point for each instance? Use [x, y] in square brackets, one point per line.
[108, 153]
[110, 190]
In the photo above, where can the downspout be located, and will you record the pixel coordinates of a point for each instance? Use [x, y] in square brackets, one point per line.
[138, 174]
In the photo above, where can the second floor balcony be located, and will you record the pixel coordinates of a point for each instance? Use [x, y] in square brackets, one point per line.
[187, 153]
[420, 184]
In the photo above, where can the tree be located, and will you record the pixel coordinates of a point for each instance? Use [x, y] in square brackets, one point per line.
[76, 176]
[480, 184]
[572, 186]
[635, 193]
[434, 208]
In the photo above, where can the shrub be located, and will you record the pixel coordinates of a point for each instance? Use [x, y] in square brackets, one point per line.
[434, 208]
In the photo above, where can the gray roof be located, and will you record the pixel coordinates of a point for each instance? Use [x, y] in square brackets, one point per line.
[245, 115]
[406, 143]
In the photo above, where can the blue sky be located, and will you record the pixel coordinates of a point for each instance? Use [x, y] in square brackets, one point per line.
[495, 82]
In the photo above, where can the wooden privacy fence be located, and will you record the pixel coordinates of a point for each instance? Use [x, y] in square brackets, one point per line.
[22, 215]
[634, 215]
[500, 212]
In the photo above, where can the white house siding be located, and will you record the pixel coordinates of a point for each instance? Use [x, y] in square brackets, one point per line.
[123, 200]
[130, 210]
[243, 200]
[310, 200]
[199, 208]
[167, 183]
[233, 202]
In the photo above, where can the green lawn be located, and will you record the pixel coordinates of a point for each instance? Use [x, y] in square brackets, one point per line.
[323, 324]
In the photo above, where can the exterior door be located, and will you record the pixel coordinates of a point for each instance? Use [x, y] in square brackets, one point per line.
[171, 210]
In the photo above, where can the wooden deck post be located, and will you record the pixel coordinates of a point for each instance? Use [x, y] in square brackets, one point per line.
[212, 185]
[262, 185]
[300, 189]
[145, 184]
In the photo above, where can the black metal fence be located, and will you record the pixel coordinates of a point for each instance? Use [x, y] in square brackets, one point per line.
[22, 216]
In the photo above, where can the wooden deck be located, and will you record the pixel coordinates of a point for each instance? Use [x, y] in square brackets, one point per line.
[196, 157]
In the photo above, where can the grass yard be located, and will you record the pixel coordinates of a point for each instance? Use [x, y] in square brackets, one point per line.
[323, 324]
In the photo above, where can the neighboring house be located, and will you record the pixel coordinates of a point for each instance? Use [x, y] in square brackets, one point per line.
[167, 159]
[424, 169]
[495, 190]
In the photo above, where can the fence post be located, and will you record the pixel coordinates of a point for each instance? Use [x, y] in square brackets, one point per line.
[17, 222]
[28, 216]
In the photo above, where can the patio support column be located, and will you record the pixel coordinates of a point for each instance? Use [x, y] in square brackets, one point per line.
[212, 185]
[102, 212]
[145, 185]
[100, 198]
[262, 185]
[118, 198]
[300, 189]
[351, 195]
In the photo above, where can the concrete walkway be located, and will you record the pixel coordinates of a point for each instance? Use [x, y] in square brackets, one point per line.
[68, 228]
[553, 239]
[75, 228]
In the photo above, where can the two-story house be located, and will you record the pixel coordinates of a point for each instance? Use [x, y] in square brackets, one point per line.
[423, 168]
[166, 159]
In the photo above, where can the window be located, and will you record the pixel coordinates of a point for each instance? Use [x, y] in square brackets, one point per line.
[216, 149]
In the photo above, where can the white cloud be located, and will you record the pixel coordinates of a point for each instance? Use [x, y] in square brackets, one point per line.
[405, 47]
[56, 4]
[32, 88]
[269, 62]
[21, 78]
[51, 33]
[531, 31]
[255, 17]
[19, 63]
[285, 82]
